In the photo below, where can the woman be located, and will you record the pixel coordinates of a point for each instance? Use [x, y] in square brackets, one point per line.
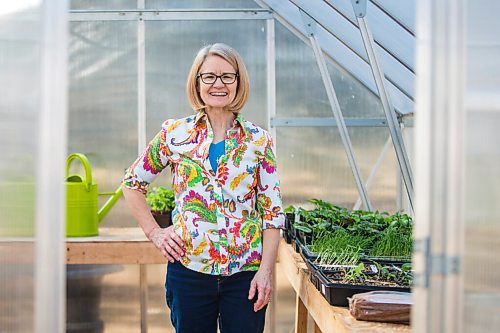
[223, 243]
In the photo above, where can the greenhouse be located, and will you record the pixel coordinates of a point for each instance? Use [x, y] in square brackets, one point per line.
[378, 116]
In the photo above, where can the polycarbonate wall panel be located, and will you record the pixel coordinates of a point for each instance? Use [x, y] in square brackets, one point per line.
[355, 100]
[483, 49]
[19, 122]
[103, 4]
[368, 144]
[103, 103]
[312, 164]
[482, 195]
[482, 245]
[178, 4]
[300, 91]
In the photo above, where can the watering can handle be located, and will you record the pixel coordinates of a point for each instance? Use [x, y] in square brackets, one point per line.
[86, 165]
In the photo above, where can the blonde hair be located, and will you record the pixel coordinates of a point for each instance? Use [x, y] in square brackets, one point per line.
[231, 56]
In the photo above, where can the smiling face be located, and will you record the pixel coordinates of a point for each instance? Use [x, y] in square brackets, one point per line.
[217, 95]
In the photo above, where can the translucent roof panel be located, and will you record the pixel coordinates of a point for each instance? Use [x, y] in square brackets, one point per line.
[402, 11]
[299, 90]
[341, 40]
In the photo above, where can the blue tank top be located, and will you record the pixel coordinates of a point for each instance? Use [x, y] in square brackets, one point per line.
[215, 152]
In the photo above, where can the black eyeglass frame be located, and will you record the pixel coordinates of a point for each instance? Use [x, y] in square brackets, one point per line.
[236, 77]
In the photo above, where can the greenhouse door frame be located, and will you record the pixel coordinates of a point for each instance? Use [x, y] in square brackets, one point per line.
[440, 164]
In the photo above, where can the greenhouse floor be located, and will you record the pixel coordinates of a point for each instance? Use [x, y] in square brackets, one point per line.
[120, 307]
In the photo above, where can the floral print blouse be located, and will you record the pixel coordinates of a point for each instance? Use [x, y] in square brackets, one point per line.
[220, 214]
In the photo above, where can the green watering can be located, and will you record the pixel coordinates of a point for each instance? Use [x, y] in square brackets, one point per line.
[82, 215]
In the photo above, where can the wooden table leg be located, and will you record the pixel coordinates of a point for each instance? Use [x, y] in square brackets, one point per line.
[271, 308]
[143, 282]
[300, 316]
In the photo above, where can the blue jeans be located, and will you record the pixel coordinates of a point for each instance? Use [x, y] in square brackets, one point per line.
[197, 300]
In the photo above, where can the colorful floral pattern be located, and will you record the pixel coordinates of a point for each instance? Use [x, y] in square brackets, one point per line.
[220, 214]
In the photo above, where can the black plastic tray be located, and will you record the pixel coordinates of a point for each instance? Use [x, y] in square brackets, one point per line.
[312, 268]
[288, 238]
[398, 261]
[289, 219]
[336, 293]
[304, 251]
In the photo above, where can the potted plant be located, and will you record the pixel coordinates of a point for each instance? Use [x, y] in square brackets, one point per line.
[161, 201]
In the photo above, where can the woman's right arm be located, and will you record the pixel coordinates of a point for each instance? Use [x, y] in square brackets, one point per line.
[165, 239]
[135, 183]
[139, 208]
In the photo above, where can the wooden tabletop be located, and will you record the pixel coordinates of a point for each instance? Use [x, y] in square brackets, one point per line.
[328, 318]
[113, 246]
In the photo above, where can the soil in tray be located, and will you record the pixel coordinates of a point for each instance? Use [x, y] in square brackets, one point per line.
[337, 278]
[370, 279]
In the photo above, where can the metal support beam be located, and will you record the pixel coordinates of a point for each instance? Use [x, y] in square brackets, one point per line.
[359, 7]
[141, 83]
[327, 122]
[392, 121]
[169, 14]
[141, 144]
[49, 285]
[310, 25]
[271, 113]
[271, 76]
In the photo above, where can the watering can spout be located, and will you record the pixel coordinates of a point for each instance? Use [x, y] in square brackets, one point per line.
[110, 203]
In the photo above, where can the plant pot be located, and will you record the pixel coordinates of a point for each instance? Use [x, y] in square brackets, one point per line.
[163, 219]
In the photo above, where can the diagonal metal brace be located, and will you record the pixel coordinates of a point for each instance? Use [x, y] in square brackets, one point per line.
[359, 7]
[309, 23]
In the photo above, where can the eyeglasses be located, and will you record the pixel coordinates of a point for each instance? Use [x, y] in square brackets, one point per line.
[210, 78]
